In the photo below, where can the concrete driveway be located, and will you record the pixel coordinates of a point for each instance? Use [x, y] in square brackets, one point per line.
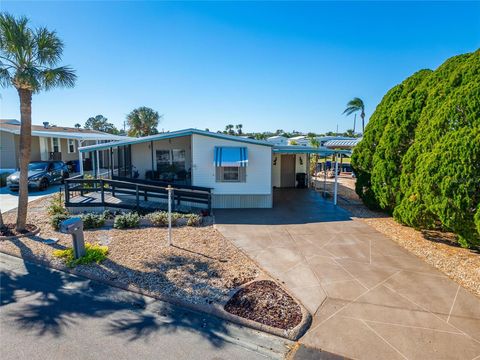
[9, 199]
[371, 299]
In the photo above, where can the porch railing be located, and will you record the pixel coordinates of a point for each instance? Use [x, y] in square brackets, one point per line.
[140, 191]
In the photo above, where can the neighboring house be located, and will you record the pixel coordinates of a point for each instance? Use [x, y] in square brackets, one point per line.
[278, 140]
[301, 140]
[48, 142]
[240, 172]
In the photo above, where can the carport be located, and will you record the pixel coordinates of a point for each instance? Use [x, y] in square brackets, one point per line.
[291, 164]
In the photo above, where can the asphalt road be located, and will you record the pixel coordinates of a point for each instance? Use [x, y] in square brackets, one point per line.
[47, 314]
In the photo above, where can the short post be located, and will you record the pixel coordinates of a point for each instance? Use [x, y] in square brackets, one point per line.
[102, 192]
[335, 192]
[169, 189]
[74, 226]
[137, 199]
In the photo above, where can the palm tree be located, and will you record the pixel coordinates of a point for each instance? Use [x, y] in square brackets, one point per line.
[78, 126]
[229, 129]
[356, 105]
[239, 128]
[28, 59]
[143, 121]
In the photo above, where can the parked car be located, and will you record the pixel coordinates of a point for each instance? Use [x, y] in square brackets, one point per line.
[41, 174]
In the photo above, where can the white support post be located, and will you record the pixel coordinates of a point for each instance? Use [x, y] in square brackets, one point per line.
[98, 162]
[80, 157]
[169, 189]
[335, 192]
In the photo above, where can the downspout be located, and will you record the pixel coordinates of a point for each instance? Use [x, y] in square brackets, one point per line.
[80, 157]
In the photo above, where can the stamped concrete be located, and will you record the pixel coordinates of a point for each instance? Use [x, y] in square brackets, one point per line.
[371, 299]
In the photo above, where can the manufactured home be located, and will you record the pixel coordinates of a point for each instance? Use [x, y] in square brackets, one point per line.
[237, 172]
[48, 143]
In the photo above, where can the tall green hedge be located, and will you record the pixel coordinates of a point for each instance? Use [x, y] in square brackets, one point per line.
[420, 156]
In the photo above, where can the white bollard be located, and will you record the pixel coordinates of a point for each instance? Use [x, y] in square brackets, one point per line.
[169, 189]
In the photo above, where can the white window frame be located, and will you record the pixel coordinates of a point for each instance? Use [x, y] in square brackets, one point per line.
[220, 174]
[70, 142]
[59, 144]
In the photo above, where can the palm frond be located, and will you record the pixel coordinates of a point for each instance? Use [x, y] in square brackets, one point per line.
[62, 76]
[5, 78]
[49, 47]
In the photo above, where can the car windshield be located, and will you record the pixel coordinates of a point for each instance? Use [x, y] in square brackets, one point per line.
[36, 166]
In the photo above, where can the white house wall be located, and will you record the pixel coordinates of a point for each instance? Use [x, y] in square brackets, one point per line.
[255, 192]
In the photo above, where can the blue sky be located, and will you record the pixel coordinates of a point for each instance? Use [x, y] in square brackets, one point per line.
[266, 65]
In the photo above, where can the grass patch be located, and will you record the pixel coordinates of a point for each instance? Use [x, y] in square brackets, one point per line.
[93, 253]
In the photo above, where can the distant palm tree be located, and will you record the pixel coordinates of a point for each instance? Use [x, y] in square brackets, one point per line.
[315, 144]
[239, 128]
[356, 105]
[143, 121]
[78, 126]
[229, 129]
[27, 62]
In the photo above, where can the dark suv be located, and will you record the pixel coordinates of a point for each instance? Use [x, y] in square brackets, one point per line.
[41, 174]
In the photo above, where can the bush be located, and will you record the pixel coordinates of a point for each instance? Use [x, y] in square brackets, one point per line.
[158, 218]
[126, 221]
[3, 178]
[92, 221]
[56, 205]
[56, 219]
[194, 220]
[420, 152]
[93, 253]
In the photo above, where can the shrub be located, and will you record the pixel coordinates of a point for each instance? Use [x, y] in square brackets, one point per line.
[420, 152]
[56, 205]
[93, 253]
[126, 221]
[92, 221]
[158, 218]
[194, 220]
[56, 219]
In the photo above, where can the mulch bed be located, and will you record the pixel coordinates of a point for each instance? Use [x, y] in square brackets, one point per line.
[9, 230]
[265, 302]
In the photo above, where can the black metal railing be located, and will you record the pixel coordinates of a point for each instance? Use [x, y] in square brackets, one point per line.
[138, 190]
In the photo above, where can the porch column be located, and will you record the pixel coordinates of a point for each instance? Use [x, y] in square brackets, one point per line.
[335, 191]
[80, 157]
[97, 161]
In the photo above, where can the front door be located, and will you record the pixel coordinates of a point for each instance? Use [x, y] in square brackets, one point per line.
[287, 178]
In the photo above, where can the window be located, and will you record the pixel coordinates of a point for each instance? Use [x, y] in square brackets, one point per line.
[170, 160]
[178, 159]
[163, 160]
[231, 174]
[71, 146]
[56, 145]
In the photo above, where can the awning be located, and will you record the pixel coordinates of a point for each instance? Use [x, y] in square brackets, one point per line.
[230, 156]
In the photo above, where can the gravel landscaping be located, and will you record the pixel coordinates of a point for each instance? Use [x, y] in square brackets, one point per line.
[439, 249]
[201, 266]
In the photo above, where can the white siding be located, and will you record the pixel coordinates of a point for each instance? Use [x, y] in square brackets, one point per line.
[8, 151]
[259, 169]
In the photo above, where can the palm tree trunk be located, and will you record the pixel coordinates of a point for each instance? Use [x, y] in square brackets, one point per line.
[25, 149]
[363, 122]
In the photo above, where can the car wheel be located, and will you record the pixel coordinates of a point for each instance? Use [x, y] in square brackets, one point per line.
[44, 184]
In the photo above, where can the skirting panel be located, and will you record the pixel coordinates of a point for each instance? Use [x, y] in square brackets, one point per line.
[224, 201]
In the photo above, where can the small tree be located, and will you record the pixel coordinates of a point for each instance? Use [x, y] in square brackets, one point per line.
[28, 59]
[100, 123]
